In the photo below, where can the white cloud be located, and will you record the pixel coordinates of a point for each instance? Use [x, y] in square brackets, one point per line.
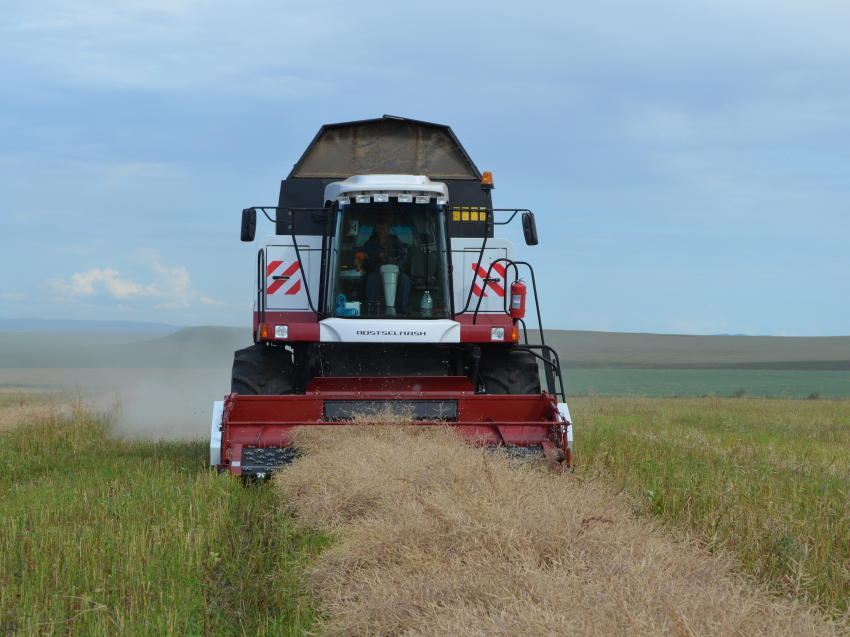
[172, 286]
[96, 281]
[175, 284]
[209, 301]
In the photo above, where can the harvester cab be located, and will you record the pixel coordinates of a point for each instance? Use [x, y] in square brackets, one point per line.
[384, 287]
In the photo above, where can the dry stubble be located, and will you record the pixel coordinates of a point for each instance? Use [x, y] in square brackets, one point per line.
[437, 538]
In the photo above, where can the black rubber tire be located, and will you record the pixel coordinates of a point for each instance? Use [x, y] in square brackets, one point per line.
[510, 372]
[260, 370]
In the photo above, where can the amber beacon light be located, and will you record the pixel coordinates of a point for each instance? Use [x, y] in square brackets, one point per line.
[487, 180]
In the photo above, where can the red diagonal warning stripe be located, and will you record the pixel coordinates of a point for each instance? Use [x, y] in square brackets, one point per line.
[294, 289]
[272, 267]
[274, 287]
[498, 289]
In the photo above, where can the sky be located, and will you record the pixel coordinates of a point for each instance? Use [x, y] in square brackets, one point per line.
[688, 162]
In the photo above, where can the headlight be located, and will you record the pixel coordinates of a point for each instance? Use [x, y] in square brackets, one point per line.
[281, 331]
[497, 333]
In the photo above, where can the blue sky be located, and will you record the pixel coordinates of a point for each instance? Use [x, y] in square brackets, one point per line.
[689, 163]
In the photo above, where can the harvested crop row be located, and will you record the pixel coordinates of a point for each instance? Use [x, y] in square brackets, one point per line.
[438, 538]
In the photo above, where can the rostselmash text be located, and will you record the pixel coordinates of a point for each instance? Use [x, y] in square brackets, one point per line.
[389, 333]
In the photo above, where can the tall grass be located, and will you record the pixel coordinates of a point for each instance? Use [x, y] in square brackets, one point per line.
[438, 538]
[105, 537]
[768, 480]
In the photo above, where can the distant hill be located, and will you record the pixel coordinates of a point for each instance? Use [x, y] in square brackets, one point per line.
[213, 347]
[47, 325]
[198, 347]
[617, 350]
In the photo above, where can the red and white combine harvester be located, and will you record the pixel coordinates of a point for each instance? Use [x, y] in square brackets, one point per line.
[383, 288]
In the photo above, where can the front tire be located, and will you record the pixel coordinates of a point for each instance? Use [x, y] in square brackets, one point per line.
[510, 372]
[261, 370]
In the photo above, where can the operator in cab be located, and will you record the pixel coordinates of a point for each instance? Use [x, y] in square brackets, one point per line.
[383, 248]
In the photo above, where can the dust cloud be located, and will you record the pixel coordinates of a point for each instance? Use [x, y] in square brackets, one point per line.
[175, 401]
[164, 388]
[171, 404]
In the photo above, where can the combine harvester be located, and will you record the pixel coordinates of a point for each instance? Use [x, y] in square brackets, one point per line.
[385, 288]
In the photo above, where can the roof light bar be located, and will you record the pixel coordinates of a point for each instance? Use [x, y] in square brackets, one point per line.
[423, 199]
[362, 199]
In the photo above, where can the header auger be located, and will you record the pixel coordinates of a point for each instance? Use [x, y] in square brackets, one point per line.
[384, 287]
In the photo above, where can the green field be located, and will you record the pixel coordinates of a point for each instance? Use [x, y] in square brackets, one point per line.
[660, 383]
[767, 480]
[105, 537]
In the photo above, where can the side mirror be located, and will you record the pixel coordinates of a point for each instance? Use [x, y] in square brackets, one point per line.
[249, 224]
[529, 228]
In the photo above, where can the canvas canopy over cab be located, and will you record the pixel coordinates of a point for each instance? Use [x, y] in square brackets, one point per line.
[385, 146]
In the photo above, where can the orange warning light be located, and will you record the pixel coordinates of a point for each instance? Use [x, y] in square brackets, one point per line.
[487, 179]
[264, 330]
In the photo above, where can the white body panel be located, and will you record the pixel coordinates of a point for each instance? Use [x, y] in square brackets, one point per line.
[215, 433]
[281, 261]
[465, 253]
[339, 330]
[565, 413]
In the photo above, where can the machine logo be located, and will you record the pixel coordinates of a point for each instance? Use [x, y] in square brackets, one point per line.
[283, 276]
[480, 273]
[389, 333]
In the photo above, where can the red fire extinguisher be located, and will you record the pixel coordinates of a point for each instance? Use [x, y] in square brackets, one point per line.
[518, 300]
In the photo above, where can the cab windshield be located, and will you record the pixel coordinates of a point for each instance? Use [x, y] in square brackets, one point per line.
[389, 260]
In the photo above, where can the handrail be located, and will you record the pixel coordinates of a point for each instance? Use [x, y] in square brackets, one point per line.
[551, 367]
[294, 242]
[490, 211]
[261, 286]
[297, 253]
